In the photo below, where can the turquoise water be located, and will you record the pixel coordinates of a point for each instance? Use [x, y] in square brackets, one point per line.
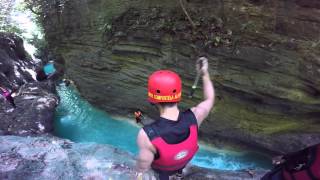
[49, 68]
[78, 121]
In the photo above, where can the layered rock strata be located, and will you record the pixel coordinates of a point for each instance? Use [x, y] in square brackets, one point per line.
[264, 60]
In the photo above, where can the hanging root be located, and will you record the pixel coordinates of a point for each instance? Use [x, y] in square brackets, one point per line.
[186, 13]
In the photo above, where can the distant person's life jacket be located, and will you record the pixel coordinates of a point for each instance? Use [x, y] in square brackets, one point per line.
[301, 165]
[6, 94]
[176, 141]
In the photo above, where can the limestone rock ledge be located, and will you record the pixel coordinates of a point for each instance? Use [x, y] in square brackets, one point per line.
[35, 101]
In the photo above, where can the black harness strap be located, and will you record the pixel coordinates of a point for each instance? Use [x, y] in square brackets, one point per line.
[313, 153]
[292, 176]
[151, 133]
[310, 174]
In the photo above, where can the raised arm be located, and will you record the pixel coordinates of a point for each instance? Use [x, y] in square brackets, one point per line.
[146, 152]
[202, 110]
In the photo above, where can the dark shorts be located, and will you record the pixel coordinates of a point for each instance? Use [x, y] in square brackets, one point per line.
[165, 175]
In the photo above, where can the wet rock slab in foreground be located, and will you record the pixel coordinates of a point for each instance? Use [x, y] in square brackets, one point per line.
[53, 158]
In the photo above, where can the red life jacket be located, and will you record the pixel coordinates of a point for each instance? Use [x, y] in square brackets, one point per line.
[308, 169]
[173, 157]
[301, 165]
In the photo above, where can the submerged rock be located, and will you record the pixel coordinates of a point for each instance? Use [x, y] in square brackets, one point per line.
[35, 101]
[53, 158]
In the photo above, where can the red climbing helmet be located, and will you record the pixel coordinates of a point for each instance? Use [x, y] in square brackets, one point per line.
[164, 86]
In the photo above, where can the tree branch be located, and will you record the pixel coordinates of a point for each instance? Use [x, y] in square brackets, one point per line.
[33, 11]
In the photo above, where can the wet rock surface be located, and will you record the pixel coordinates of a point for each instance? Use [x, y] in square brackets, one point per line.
[35, 101]
[53, 158]
[264, 61]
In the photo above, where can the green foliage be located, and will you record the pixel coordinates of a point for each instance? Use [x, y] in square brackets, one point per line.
[6, 23]
[11, 28]
[33, 35]
[39, 43]
[315, 44]
[107, 27]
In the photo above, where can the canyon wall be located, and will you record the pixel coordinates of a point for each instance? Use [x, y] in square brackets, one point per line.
[264, 59]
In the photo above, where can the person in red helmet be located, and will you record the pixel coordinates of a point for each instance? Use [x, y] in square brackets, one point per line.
[168, 144]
